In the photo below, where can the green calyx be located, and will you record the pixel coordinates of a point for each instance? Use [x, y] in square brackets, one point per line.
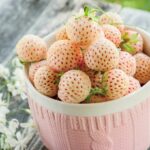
[23, 62]
[104, 81]
[58, 77]
[128, 41]
[91, 13]
[96, 91]
[82, 49]
[128, 47]
[105, 77]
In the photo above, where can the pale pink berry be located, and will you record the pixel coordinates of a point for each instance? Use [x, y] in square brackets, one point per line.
[93, 75]
[64, 55]
[74, 86]
[112, 19]
[134, 85]
[116, 83]
[83, 30]
[34, 67]
[142, 68]
[102, 56]
[112, 34]
[31, 48]
[45, 81]
[61, 34]
[127, 63]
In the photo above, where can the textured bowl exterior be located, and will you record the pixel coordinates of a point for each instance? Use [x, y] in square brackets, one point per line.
[126, 130]
[117, 125]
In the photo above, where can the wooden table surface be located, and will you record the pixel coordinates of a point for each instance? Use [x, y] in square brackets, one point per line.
[41, 17]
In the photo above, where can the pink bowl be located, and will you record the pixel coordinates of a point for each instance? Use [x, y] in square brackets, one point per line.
[122, 124]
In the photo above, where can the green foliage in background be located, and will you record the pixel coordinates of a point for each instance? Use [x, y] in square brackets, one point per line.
[140, 4]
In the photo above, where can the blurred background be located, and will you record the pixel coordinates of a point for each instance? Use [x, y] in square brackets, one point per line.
[140, 4]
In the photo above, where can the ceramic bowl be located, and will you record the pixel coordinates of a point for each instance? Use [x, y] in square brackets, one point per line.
[121, 124]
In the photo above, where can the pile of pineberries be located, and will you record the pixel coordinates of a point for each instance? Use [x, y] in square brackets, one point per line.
[94, 58]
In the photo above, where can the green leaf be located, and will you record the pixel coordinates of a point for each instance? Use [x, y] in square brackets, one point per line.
[125, 36]
[58, 77]
[104, 77]
[86, 10]
[60, 74]
[91, 12]
[105, 89]
[82, 49]
[95, 18]
[23, 62]
[96, 91]
[128, 47]
[134, 38]
[87, 100]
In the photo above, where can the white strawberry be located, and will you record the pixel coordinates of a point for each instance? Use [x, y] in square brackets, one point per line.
[112, 34]
[34, 67]
[127, 63]
[61, 34]
[31, 48]
[64, 55]
[94, 76]
[83, 30]
[134, 85]
[45, 81]
[74, 86]
[142, 68]
[112, 19]
[102, 56]
[116, 83]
